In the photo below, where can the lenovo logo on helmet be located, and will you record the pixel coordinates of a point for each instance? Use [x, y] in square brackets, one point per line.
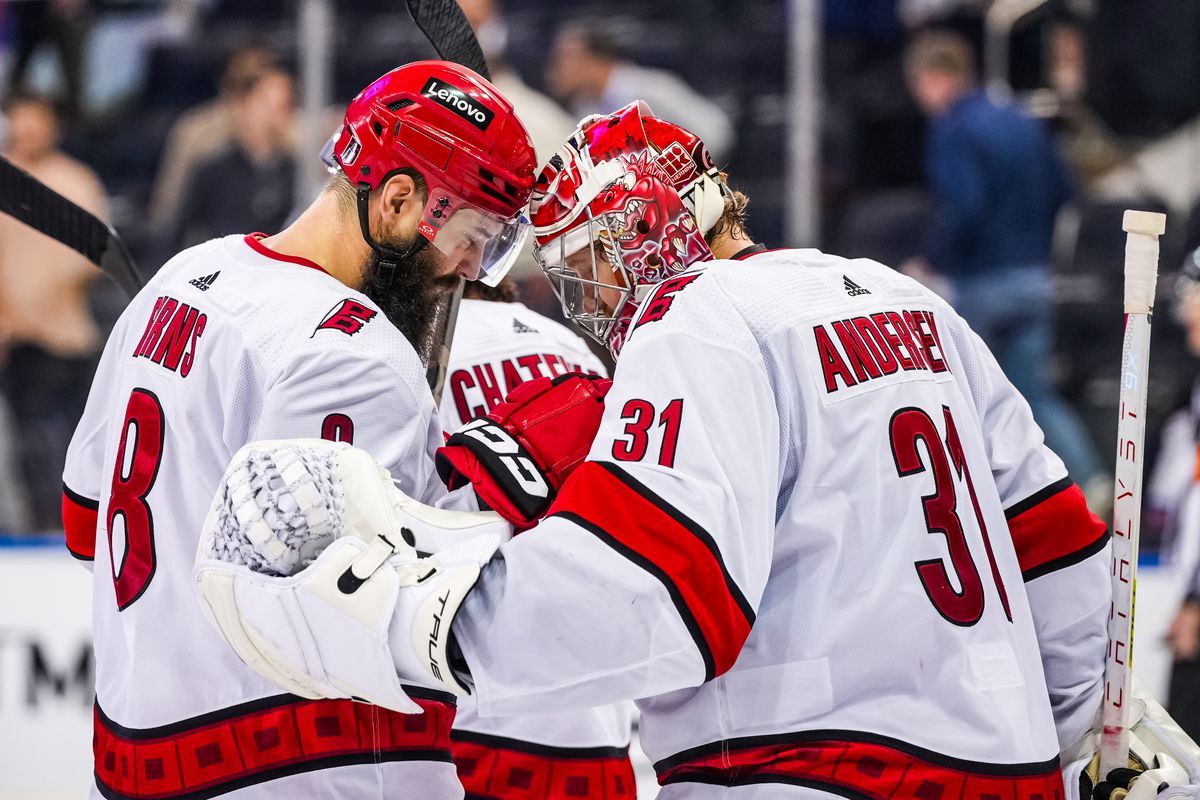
[459, 102]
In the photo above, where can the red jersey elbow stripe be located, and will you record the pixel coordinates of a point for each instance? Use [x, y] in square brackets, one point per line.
[1053, 529]
[626, 515]
[79, 523]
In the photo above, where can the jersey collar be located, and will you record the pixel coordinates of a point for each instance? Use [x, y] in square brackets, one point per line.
[254, 241]
[746, 252]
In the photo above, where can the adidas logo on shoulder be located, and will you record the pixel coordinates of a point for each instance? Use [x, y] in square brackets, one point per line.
[852, 288]
[521, 327]
[202, 283]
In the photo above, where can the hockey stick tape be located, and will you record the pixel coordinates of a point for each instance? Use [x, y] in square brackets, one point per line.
[1141, 258]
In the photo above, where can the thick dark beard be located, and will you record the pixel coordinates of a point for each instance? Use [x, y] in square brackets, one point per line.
[410, 299]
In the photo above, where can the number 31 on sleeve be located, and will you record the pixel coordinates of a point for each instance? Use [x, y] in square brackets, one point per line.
[639, 416]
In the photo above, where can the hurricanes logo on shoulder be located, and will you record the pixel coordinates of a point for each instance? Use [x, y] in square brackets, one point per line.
[205, 281]
[521, 327]
[852, 288]
[348, 317]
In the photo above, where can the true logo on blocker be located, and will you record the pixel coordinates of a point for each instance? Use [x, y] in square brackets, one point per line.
[459, 102]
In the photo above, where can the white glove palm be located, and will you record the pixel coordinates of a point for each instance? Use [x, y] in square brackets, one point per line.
[305, 565]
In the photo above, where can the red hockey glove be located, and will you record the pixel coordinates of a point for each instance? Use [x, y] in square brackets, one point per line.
[518, 456]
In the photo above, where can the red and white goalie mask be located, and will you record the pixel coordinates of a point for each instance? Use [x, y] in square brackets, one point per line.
[621, 207]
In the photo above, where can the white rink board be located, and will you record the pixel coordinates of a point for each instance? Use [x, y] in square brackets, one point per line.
[45, 615]
[45, 634]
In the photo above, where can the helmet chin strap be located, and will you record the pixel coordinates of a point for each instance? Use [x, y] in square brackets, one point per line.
[389, 257]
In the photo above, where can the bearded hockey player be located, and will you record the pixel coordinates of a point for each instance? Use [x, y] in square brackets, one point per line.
[818, 534]
[251, 337]
[499, 345]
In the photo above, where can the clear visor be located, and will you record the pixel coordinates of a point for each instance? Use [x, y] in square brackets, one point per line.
[326, 155]
[480, 245]
[586, 276]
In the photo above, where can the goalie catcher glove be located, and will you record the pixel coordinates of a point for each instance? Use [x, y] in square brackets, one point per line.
[306, 568]
[519, 454]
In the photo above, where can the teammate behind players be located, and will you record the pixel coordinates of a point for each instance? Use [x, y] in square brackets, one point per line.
[500, 344]
[289, 335]
[818, 533]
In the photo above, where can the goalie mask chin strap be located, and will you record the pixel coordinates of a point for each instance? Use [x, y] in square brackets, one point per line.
[389, 257]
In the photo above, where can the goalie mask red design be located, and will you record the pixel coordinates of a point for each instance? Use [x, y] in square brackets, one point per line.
[630, 190]
[463, 137]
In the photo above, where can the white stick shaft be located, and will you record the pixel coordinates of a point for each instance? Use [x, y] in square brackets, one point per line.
[1141, 274]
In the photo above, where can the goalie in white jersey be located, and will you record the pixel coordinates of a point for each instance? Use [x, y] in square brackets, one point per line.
[289, 335]
[818, 533]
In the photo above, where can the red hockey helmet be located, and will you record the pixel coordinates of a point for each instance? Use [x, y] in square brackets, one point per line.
[640, 190]
[463, 137]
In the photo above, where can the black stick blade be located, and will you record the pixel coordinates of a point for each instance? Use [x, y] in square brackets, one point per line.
[28, 200]
[447, 29]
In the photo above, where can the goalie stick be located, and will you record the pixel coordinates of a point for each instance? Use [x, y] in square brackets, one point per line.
[447, 29]
[1141, 274]
[28, 200]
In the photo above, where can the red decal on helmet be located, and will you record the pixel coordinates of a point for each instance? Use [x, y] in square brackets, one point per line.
[348, 317]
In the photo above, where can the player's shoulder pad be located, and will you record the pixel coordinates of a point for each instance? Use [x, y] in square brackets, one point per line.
[692, 303]
[286, 311]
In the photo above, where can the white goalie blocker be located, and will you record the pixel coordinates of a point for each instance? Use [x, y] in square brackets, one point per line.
[302, 560]
[1163, 761]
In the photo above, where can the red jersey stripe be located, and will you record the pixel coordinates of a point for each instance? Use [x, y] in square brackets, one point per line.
[261, 741]
[605, 500]
[79, 522]
[499, 768]
[254, 240]
[1054, 529]
[859, 765]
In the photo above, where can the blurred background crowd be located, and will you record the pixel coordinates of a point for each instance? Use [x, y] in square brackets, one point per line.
[986, 148]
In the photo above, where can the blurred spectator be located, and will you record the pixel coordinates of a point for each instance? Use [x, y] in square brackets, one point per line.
[918, 14]
[999, 183]
[587, 72]
[549, 125]
[50, 336]
[1099, 162]
[203, 132]
[248, 187]
[1184, 634]
[63, 22]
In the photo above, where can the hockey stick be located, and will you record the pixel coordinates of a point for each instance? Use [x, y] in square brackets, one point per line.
[447, 29]
[28, 200]
[1141, 274]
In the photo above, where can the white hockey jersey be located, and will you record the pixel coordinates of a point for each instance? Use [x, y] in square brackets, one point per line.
[231, 342]
[498, 346]
[820, 534]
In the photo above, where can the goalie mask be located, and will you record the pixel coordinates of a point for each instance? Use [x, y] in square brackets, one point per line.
[620, 208]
